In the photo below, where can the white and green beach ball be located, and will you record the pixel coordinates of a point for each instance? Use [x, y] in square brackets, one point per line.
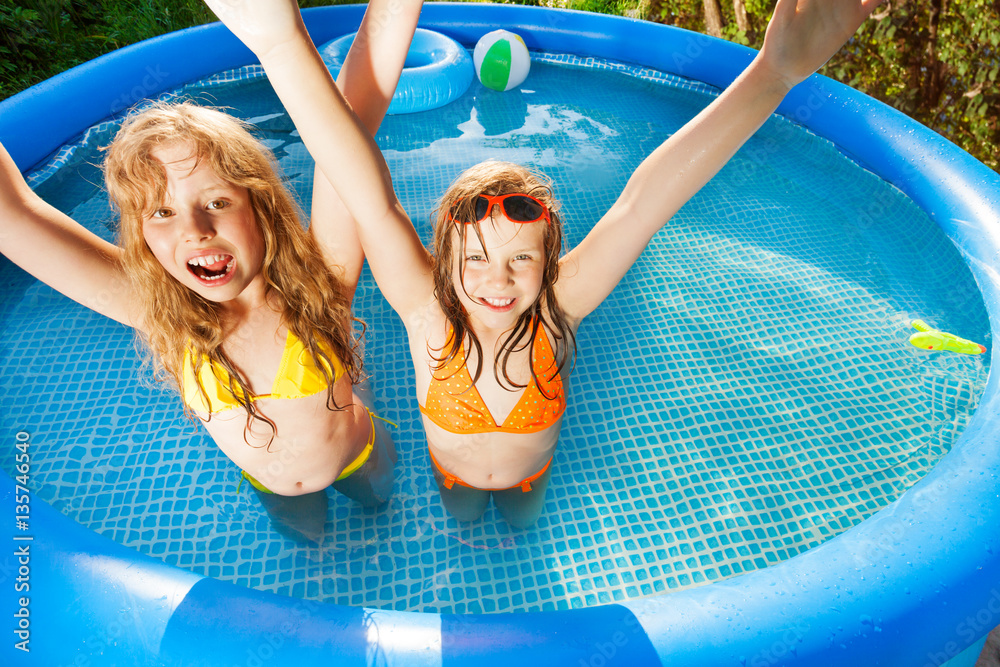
[501, 60]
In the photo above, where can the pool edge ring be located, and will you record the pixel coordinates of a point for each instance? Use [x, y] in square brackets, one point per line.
[903, 587]
[441, 70]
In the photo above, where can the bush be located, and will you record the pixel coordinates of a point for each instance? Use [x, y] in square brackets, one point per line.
[936, 61]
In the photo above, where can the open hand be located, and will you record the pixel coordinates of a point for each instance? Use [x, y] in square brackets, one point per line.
[804, 34]
[260, 24]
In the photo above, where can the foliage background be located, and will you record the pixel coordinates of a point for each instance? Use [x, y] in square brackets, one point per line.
[935, 60]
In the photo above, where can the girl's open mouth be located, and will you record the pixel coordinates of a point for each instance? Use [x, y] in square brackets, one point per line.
[498, 305]
[212, 270]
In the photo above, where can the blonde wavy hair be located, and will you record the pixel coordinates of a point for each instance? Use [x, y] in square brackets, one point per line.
[176, 320]
[496, 178]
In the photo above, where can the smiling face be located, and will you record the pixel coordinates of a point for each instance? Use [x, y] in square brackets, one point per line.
[499, 278]
[204, 233]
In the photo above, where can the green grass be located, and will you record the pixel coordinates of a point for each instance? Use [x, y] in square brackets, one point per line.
[41, 38]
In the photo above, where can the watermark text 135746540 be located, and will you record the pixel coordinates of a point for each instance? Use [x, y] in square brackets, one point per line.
[22, 539]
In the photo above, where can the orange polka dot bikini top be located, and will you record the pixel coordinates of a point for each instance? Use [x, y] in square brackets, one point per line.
[454, 403]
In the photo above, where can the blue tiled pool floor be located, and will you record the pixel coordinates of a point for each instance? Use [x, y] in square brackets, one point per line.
[745, 394]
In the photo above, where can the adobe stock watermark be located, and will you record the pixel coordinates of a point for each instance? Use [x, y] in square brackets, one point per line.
[422, 319]
[380, 19]
[606, 649]
[892, 531]
[269, 644]
[968, 630]
[816, 96]
[116, 288]
[693, 49]
[111, 635]
[780, 648]
[281, 460]
[151, 82]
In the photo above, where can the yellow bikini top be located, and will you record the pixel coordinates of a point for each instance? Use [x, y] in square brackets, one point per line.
[298, 376]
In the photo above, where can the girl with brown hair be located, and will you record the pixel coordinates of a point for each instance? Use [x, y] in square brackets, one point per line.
[491, 315]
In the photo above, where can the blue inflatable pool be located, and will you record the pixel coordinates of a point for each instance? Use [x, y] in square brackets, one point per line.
[927, 587]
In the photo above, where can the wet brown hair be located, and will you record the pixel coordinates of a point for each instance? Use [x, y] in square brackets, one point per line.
[175, 320]
[496, 178]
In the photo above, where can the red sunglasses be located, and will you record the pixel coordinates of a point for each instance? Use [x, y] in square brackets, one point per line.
[517, 207]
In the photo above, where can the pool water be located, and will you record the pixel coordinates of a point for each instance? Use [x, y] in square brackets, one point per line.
[746, 393]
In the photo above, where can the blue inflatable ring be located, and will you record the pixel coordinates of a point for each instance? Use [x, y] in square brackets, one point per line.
[437, 71]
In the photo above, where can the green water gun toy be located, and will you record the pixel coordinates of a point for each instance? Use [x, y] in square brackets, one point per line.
[932, 339]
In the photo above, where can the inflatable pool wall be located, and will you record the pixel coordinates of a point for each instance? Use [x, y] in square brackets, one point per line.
[915, 584]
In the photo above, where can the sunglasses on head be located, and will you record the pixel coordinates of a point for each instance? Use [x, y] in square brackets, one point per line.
[517, 207]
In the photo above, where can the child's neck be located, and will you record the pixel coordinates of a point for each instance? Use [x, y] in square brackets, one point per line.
[250, 310]
[491, 338]
[488, 336]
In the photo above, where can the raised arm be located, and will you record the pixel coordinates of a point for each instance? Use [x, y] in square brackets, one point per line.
[802, 35]
[58, 251]
[341, 145]
[368, 80]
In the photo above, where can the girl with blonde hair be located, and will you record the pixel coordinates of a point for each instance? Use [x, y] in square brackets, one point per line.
[491, 316]
[241, 308]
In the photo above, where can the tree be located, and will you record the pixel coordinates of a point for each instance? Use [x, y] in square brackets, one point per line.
[713, 18]
[937, 61]
[742, 19]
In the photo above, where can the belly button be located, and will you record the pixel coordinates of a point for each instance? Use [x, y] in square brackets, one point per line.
[298, 485]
